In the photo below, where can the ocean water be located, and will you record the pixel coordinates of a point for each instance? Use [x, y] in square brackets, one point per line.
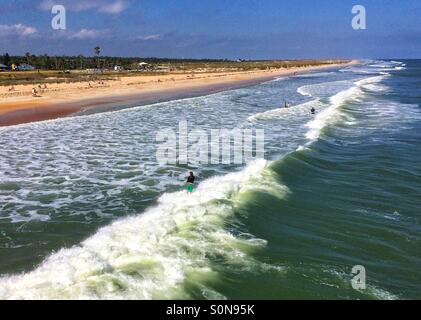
[86, 212]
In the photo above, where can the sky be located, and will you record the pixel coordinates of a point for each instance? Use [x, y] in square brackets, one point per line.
[232, 29]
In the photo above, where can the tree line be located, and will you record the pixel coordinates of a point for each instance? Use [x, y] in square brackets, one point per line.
[46, 62]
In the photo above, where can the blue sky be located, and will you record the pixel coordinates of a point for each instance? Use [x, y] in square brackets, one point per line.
[250, 29]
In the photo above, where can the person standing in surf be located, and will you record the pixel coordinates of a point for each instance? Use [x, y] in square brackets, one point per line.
[190, 182]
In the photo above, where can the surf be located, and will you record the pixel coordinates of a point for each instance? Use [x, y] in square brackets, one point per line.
[151, 255]
[238, 228]
[332, 113]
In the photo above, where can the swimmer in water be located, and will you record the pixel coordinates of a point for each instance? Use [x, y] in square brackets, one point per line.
[190, 182]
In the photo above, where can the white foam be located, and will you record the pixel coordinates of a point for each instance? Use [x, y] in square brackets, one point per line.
[376, 67]
[332, 113]
[373, 83]
[314, 75]
[303, 91]
[283, 112]
[302, 148]
[150, 255]
[371, 80]
[371, 290]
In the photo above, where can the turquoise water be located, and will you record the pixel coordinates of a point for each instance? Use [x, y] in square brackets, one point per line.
[86, 211]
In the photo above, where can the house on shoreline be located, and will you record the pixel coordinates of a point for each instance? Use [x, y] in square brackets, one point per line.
[25, 67]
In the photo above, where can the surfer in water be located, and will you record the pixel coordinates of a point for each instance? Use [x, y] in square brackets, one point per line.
[313, 111]
[190, 182]
[286, 104]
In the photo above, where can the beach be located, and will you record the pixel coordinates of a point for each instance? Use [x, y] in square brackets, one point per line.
[88, 212]
[64, 99]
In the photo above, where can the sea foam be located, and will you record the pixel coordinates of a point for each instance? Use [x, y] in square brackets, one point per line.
[149, 256]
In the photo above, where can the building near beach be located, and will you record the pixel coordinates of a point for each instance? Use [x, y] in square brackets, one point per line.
[163, 68]
[25, 67]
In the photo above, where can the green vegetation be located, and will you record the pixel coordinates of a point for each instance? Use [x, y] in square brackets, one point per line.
[81, 68]
[97, 52]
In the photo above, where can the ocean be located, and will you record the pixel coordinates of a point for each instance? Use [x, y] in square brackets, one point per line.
[86, 212]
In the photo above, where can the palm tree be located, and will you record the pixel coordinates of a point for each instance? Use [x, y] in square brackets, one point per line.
[42, 61]
[28, 57]
[81, 60]
[6, 59]
[97, 52]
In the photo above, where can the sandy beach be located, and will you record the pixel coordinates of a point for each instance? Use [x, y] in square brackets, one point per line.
[63, 99]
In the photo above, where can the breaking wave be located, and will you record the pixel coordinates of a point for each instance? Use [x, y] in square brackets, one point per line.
[151, 255]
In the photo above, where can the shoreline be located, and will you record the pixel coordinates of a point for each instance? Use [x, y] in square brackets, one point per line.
[80, 101]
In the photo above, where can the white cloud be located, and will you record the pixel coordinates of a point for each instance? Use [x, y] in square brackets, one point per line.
[115, 7]
[150, 37]
[17, 30]
[85, 34]
[104, 6]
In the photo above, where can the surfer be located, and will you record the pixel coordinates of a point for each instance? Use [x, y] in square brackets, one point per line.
[286, 104]
[313, 111]
[190, 182]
